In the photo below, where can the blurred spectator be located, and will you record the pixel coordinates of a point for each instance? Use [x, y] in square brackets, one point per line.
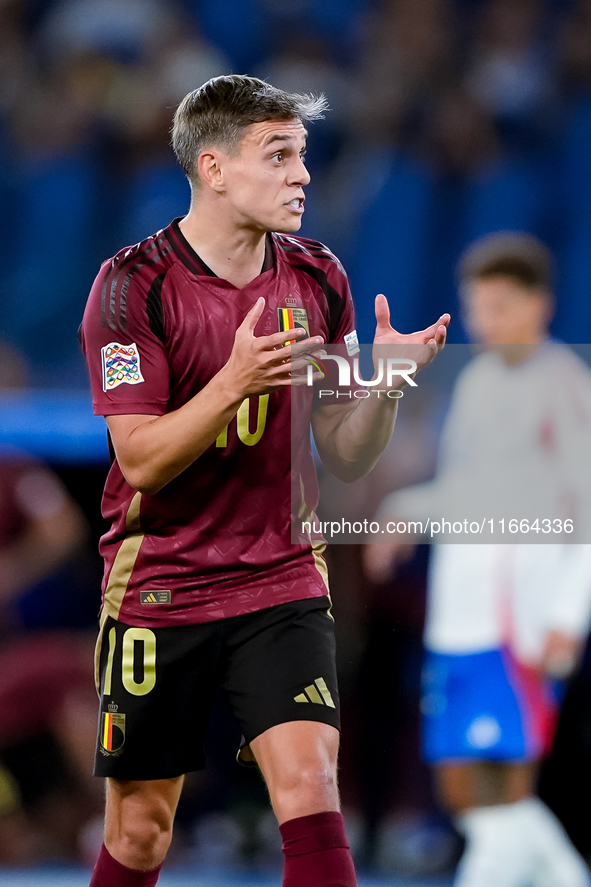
[41, 526]
[573, 209]
[575, 42]
[123, 29]
[54, 190]
[47, 705]
[338, 22]
[13, 367]
[510, 71]
[408, 54]
[241, 29]
[458, 137]
[15, 53]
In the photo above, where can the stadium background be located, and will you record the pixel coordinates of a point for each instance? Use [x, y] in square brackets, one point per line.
[450, 119]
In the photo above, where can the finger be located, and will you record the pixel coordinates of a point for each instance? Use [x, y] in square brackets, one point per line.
[285, 375]
[252, 316]
[279, 340]
[300, 380]
[437, 341]
[309, 346]
[441, 335]
[431, 331]
[275, 385]
[296, 368]
[382, 310]
[279, 355]
[300, 363]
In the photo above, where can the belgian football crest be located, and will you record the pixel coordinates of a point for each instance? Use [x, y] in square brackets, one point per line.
[293, 319]
[112, 731]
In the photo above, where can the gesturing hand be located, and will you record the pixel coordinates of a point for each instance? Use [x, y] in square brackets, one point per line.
[432, 338]
[261, 364]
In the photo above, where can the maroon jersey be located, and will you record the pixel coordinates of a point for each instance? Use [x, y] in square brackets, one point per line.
[215, 542]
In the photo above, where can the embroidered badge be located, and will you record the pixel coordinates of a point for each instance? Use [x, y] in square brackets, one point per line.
[352, 343]
[121, 365]
[112, 733]
[291, 319]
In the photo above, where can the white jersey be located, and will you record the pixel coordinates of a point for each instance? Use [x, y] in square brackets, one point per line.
[510, 429]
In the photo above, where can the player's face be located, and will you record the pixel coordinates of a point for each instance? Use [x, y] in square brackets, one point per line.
[264, 182]
[499, 311]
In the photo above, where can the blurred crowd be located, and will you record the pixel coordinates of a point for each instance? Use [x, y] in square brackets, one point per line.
[450, 118]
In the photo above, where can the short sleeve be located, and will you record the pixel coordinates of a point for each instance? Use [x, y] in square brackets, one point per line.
[342, 326]
[127, 360]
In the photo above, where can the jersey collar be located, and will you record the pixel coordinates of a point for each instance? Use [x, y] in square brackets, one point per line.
[194, 262]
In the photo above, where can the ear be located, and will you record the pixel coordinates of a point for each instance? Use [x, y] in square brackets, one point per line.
[209, 168]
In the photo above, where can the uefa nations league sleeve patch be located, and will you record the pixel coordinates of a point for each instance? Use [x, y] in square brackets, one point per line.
[352, 343]
[121, 365]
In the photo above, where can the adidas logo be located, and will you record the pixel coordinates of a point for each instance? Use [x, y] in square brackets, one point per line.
[155, 597]
[317, 693]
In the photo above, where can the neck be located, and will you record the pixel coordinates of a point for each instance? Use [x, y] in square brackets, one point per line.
[518, 352]
[233, 253]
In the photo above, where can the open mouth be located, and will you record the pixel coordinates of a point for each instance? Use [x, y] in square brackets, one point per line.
[296, 205]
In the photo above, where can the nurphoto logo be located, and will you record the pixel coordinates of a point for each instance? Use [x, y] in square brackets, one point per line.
[387, 370]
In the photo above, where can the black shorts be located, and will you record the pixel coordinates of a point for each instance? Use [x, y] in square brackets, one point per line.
[158, 685]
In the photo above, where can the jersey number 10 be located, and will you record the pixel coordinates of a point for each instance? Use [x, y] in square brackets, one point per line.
[243, 423]
[137, 642]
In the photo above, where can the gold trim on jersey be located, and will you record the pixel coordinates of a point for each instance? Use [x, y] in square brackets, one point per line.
[320, 564]
[305, 513]
[124, 561]
[97, 654]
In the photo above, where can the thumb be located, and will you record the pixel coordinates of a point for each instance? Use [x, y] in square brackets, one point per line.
[382, 310]
[252, 317]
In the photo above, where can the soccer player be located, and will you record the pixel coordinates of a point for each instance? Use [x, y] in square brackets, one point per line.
[185, 337]
[502, 619]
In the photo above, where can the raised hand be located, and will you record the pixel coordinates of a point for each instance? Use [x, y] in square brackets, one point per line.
[433, 338]
[261, 364]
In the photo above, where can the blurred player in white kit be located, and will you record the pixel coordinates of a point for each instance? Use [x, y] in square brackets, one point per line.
[504, 620]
